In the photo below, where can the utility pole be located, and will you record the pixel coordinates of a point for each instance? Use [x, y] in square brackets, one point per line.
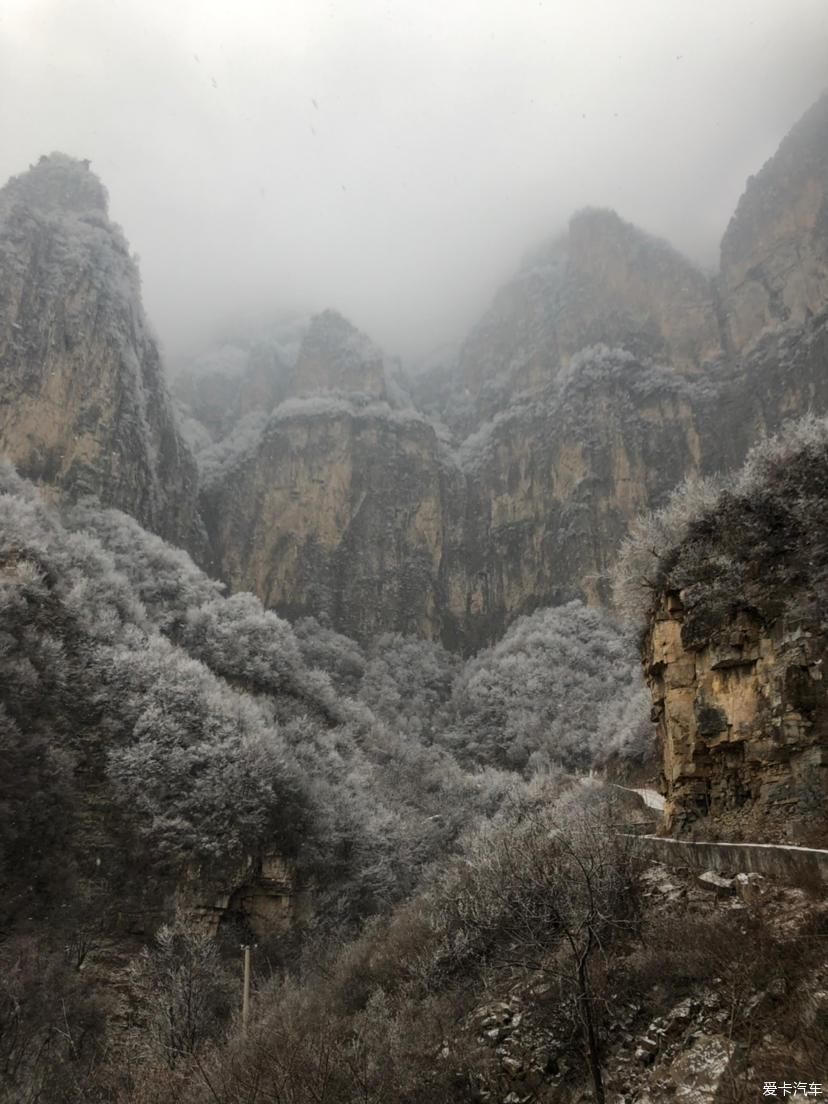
[246, 988]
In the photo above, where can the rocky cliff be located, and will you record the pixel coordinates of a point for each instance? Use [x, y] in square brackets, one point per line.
[335, 356]
[604, 282]
[735, 653]
[340, 509]
[604, 373]
[83, 404]
[742, 722]
[774, 268]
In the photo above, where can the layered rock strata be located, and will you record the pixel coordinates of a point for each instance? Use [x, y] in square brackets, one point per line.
[743, 726]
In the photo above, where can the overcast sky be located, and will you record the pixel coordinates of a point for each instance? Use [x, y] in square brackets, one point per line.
[395, 159]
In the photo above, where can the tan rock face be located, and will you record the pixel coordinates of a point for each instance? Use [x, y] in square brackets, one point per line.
[774, 266]
[625, 286]
[335, 356]
[341, 511]
[83, 405]
[363, 514]
[261, 898]
[743, 726]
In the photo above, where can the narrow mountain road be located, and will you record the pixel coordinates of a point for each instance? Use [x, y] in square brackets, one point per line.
[785, 862]
[651, 798]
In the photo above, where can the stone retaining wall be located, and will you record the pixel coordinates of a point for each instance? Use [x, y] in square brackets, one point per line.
[778, 861]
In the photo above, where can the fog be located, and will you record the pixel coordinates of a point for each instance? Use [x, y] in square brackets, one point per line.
[395, 160]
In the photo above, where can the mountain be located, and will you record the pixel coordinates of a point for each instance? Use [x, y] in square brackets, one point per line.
[735, 641]
[604, 373]
[185, 770]
[774, 258]
[84, 407]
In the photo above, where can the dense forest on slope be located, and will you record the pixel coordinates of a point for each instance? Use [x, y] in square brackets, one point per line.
[214, 725]
[152, 725]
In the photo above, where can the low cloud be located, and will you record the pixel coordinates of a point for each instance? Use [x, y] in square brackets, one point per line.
[395, 159]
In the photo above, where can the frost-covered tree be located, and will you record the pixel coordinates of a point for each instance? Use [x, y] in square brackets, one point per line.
[207, 774]
[183, 994]
[325, 649]
[755, 541]
[407, 681]
[162, 577]
[535, 697]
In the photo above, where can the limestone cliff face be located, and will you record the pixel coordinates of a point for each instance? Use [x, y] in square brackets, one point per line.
[625, 287]
[363, 513]
[83, 405]
[606, 282]
[743, 725]
[551, 487]
[335, 356]
[736, 648]
[342, 510]
[606, 372]
[774, 267]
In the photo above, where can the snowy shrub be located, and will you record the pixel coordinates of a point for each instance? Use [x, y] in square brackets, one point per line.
[752, 541]
[215, 461]
[340, 657]
[206, 773]
[637, 572]
[164, 578]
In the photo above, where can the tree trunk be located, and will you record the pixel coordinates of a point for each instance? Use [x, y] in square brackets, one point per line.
[585, 1002]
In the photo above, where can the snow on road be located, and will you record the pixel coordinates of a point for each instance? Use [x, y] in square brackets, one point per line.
[651, 798]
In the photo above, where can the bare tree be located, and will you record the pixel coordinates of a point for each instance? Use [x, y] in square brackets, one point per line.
[182, 993]
[553, 892]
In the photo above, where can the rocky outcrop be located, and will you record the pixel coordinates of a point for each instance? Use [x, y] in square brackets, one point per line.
[735, 651]
[774, 265]
[606, 282]
[83, 404]
[261, 900]
[340, 510]
[743, 725]
[625, 287]
[335, 356]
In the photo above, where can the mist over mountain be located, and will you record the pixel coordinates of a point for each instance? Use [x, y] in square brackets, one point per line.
[396, 163]
[427, 728]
